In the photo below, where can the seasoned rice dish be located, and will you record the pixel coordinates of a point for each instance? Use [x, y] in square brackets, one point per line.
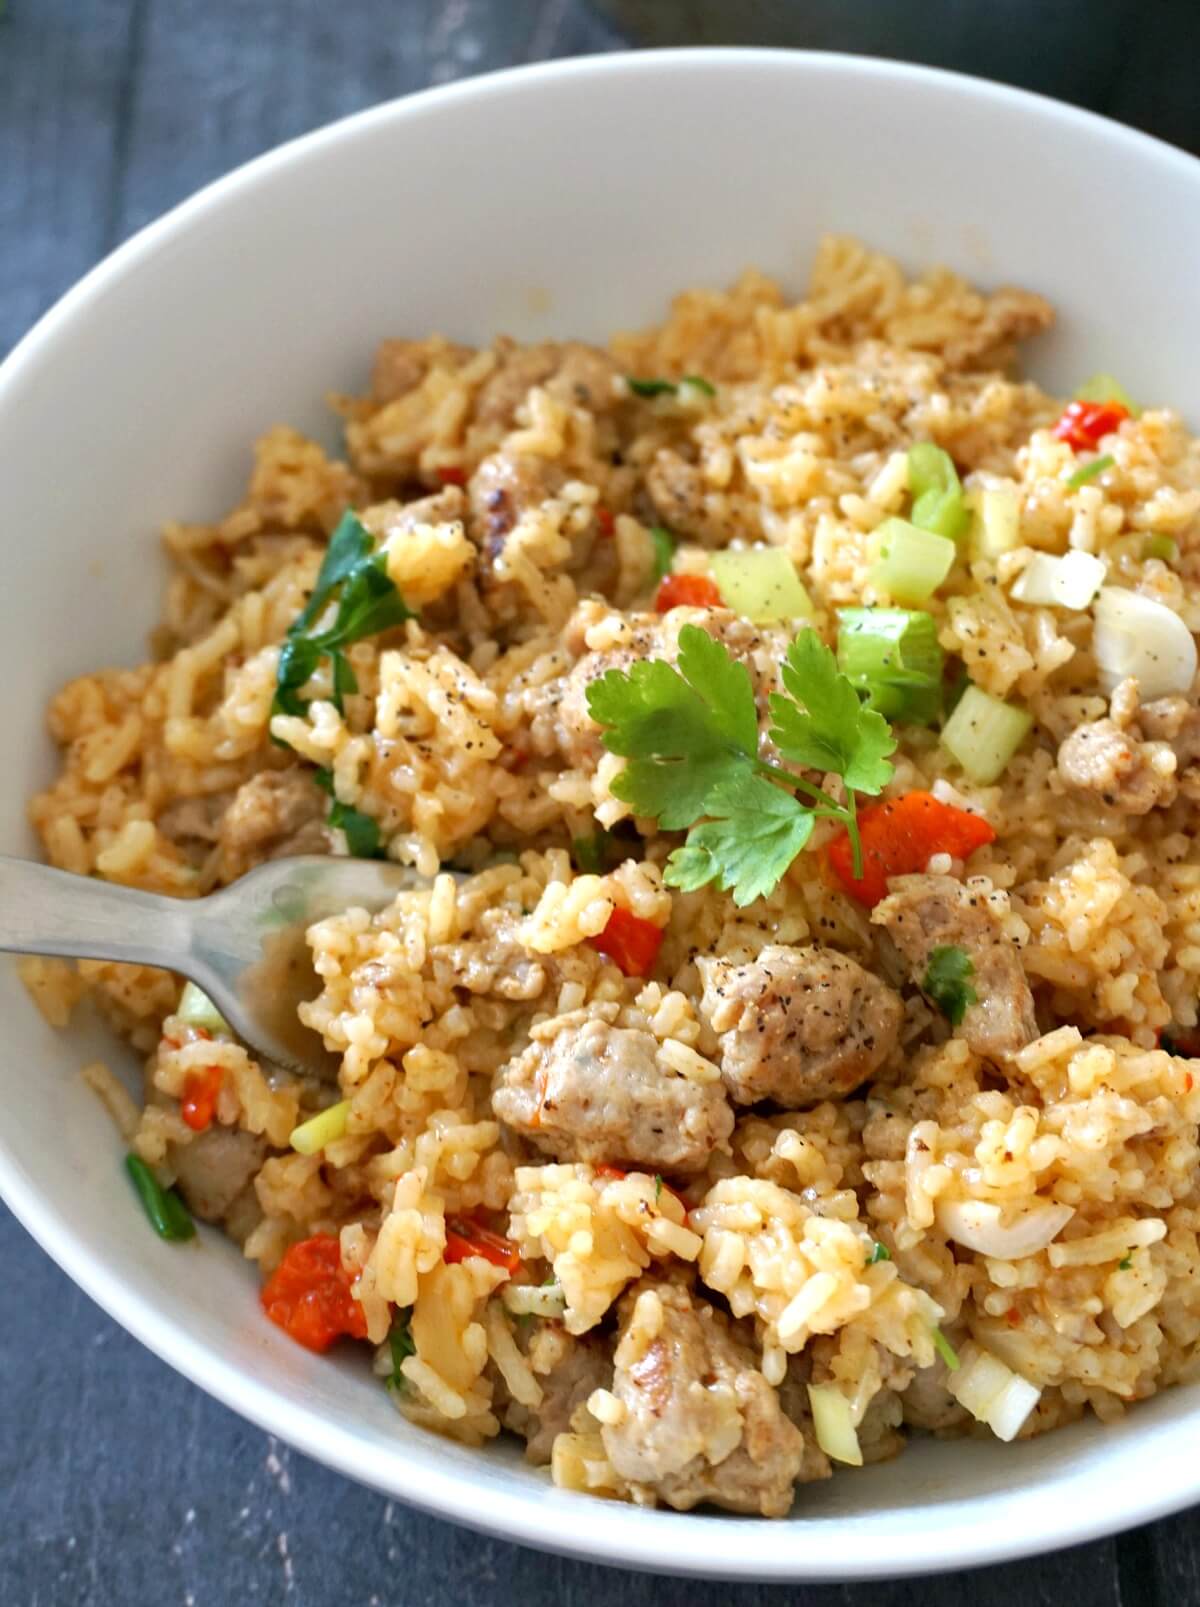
[792, 719]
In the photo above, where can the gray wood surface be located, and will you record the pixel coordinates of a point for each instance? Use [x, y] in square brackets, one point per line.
[122, 1485]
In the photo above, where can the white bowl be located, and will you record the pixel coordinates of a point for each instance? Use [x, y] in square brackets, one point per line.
[566, 199]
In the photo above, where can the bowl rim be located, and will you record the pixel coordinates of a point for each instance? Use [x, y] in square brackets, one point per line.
[612, 1534]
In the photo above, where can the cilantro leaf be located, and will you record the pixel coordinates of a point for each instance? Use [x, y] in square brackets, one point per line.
[754, 833]
[947, 981]
[689, 734]
[367, 603]
[682, 732]
[822, 725]
[363, 836]
[664, 550]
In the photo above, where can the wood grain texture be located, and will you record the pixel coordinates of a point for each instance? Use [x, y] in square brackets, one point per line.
[124, 1485]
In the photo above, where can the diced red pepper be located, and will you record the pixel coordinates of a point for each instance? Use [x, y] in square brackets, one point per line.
[308, 1295]
[199, 1103]
[450, 475]
[630, 942]
[1085, 424]
[686, 591]
[465, 1236]
[605, 522]
[900, 836]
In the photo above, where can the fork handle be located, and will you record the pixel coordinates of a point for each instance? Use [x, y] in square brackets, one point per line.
[47, 911]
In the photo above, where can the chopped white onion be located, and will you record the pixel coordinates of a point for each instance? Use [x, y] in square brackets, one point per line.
[1067, 582]
[1136, 636]
[534, 1300]
[833, 1424]
[992, 1392]
[1012, 1406]
[979, 1225]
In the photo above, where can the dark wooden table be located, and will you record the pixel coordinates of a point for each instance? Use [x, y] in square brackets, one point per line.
[121, 1484]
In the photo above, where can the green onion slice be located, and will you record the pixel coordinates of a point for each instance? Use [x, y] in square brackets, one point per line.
[893, 656]
[327, 1125]
[1089, 471]
[912, 563]
[169, 1216]
[945, 1349]
[984, 732]
[197, 1010]
[938, 503]
[1164, 547]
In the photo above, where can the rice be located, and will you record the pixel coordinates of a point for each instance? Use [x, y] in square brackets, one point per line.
[512, 494]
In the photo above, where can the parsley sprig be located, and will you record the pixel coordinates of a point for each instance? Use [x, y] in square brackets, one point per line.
[363, 836]
[690, 737]
[367, 602]
[947, 981]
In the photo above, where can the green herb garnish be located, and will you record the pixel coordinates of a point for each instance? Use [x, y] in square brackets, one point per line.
[1125, 1263]
[658, 1188]
[363, 836]
[169, 1216]
[664, 551]
[690, 735]
[947, 981]
[945, 1349]
[401, 1345]
[598, 853]
[879, 1252]
[668, 387]
[367, 603]
[1164, 547]
[1089, 471]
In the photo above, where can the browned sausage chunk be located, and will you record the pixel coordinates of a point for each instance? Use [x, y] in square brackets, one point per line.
[798, 1025]
[597, 1093]
[923, 913]
[1131, 776]
[701, 1422]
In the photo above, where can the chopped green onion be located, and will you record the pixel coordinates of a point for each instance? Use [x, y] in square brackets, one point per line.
[997, 524]
[761, 584]
[327, 1125]
[944, 1348]
[197, 1010]
[892, 655]
[1104, 388]
[936, 491]
[1089, 471]
[1163, 547]
[912, 563]
[833, 1424]
[984, 732]
[664, 551]
[669, 387]
[879, 1252]
[169, 1216]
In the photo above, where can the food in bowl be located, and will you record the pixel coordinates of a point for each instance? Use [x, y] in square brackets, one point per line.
[794, 717]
